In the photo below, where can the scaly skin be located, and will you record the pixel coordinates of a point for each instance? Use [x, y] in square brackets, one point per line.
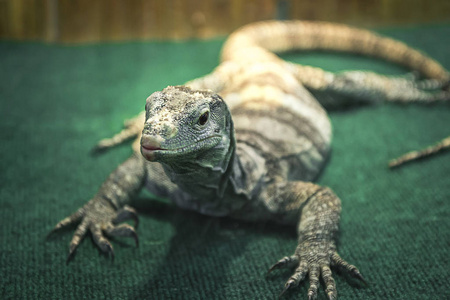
[246, 140]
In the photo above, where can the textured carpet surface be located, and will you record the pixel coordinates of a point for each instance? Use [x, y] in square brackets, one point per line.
[57, 101]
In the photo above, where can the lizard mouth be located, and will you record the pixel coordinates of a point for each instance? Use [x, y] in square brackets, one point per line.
[148, 151]
[152, 153]
[151, 148]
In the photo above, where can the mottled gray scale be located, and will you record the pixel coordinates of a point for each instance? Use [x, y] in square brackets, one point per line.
[279, 162]
[265, 147]
[289, 139]
[302, 126]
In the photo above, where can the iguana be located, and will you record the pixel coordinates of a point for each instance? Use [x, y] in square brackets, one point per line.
[246, 140]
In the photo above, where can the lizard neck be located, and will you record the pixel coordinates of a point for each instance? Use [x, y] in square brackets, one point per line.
[206, 175]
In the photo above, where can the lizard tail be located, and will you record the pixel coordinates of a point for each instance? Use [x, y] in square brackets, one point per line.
[275, 36]
[133, 128]
[260, 40]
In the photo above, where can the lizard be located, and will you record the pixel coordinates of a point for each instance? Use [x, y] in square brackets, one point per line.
[247, 140]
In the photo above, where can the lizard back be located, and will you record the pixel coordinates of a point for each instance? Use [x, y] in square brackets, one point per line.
[278, 120]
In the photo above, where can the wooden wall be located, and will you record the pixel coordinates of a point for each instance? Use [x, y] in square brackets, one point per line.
[72, 21]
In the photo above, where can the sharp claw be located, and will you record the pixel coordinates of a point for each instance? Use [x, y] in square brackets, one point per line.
[282, 292]
[136, 239]
[127, 213]
[124, 230]
[70, 256]
[312, 296]
[284, 262]
[287, 286]
[110, 251]
[135, 219]
[358, 275]
[275, 266]
[331, 296]
[352, 270]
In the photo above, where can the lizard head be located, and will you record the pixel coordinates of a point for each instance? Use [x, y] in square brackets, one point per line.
[183, 125]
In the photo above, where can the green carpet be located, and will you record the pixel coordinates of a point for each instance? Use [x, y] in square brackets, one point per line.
[57, 101]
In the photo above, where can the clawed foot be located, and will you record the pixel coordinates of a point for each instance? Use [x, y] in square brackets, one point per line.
[99, 217]
[315, 266]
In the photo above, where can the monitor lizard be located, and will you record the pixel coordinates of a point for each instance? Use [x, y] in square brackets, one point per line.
[246, 140]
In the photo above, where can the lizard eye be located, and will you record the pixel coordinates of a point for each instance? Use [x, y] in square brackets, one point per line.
[203, 118]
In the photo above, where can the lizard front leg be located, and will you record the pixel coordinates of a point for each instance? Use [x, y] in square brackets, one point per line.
[319, 210]
[109, 207]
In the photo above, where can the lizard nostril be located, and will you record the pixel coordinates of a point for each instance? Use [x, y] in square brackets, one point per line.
[168, 130]
[164, 129]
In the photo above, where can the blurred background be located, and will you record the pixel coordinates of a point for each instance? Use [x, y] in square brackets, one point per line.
[78, 21]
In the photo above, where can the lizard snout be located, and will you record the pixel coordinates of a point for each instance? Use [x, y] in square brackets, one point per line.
[150, 144]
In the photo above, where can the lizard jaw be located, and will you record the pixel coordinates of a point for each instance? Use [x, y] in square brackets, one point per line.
[150, 147]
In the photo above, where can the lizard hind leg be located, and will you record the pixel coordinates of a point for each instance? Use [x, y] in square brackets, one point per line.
[373, 87]
[433, 85]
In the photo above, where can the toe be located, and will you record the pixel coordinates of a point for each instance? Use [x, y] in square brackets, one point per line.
[101, 241]
[124, 230]
[285, 262]
[313, 282]
[78, 236]
[337, 261]
[72, 219]
[126, 213]
[330, 285]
